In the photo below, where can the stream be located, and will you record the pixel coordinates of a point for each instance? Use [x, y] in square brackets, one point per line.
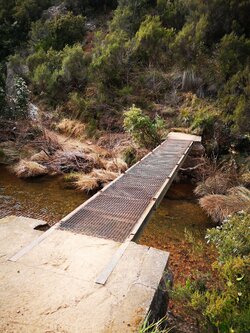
[44, 198]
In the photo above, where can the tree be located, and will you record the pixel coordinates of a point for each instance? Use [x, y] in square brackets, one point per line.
[189, 45]
[172, 13]
[234, 99]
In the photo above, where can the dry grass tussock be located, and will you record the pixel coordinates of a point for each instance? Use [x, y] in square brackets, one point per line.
[116, 165]
[50, 142]
[86, 183]
[40, 157]
[72, 128]
[97, 160]
[215, 184]
[26, 169]
[245, 178]
[219, 206]
[104, 176]
[93, 180]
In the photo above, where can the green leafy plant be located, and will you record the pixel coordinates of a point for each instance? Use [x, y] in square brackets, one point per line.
[152, 39]
[224, 304]
[145, 132]
[21, 99]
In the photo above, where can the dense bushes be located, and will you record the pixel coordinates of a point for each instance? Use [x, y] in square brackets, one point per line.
[54, 72]
[235, 101]
[138, 55]
[233, 54]
[224, 303]
[152, 39]
[57, 32]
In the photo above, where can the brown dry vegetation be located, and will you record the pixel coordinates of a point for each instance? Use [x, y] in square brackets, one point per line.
[116, 165]
[73, 128]
[85, 182]
[26, 169]
[53, 153]
[92, 181]
[219, 183]
[219, 206]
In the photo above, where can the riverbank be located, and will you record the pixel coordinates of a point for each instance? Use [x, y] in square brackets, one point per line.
[179, 226]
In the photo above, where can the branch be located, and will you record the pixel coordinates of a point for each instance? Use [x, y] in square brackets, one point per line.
[192, 168]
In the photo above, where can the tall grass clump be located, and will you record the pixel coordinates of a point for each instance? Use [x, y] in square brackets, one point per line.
[26, 169]
[72, 128]
[219, 206]
[218, 183]
[155, 326]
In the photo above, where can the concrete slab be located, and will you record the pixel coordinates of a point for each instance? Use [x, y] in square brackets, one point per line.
[15, 232]
[52, 289]
[184, 136]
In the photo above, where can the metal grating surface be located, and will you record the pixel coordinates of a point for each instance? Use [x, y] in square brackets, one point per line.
[118, 207]
[134, 190]
[114, 212]
[90, 223]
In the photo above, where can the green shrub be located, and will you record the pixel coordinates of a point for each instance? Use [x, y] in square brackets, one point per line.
[152, 39]
[74, 66]
[110, 59]
[235, 101]
[56, 73]
[145, 132]
[128, 16]
[232, 238]
[44, 71]
[188, 45]
[172, 13]
[225, 303]
[129, 155]
[58, 32]
[2, 91]
[233, 54]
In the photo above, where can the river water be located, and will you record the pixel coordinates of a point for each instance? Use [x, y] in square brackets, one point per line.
[44, 198]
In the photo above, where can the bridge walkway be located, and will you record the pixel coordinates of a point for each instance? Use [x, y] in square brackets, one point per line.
[118, 211]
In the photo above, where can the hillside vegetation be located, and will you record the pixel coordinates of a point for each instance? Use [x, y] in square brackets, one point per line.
[87, 87]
